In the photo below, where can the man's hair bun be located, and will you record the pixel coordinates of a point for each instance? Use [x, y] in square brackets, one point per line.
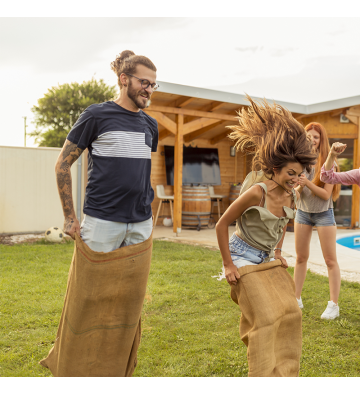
[125, 54]
[127, 61]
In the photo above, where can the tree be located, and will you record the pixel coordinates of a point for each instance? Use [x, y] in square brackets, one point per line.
[346, 164]
[61, 106]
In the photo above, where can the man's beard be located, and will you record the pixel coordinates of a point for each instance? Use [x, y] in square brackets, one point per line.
[133, 94]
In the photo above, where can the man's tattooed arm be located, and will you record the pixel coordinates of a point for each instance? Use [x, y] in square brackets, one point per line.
[68, 155]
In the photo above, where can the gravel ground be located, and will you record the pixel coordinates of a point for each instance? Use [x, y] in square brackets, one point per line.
[16, 239]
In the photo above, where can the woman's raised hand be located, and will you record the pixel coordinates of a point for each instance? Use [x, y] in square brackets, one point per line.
[302, 180]
[337, 149]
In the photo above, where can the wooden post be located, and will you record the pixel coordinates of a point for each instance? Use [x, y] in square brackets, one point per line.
[178, 174]
[235, 166]
[355, 209]
[244, 167]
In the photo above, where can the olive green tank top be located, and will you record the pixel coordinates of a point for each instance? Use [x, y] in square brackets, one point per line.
[257, 226]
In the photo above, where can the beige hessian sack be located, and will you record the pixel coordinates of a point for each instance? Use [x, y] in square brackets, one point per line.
[100, 326]
[270, 323]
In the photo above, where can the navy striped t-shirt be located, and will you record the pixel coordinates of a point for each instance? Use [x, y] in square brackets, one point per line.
[120, 143]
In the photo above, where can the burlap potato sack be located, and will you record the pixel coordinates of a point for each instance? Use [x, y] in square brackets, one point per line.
[100, 326]
[271, 320]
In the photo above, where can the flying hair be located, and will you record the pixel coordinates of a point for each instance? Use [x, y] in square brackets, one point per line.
[273, 136]
[127, 61]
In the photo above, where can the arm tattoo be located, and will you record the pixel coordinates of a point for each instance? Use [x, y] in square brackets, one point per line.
[67, 203]
[65, 166]
[63, 178]
[69, 154]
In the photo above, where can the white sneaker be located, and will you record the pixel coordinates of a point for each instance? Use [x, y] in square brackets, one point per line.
[300, 303]
[331, 312]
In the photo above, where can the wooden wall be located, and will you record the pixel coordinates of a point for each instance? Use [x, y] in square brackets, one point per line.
[334, 128]
[332, 124]
[227, 170]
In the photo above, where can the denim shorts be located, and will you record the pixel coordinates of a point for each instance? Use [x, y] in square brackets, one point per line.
[242, 254]
[326, 218]
[106, 236]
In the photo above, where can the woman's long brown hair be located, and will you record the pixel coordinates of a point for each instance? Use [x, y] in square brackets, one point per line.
[324, 149]
[270, 132]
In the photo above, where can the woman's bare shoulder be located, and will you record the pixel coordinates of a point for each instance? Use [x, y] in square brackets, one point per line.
[255, 192]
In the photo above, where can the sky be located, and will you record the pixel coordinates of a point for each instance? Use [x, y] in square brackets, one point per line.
[301, 60]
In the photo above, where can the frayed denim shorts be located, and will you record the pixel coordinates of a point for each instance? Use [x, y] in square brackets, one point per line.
[326, 218]
[105, 236]
[242, 254]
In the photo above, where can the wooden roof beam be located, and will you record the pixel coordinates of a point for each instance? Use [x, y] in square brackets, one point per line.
[163, 120]
[198, 124]
[184, 101]
[352, 119]
[163, 134]
[337, 112]
[217, 106]
[354, 111]
[212, 106]
[218, 138]
[302, 116]
[192, 136]
[194, 113]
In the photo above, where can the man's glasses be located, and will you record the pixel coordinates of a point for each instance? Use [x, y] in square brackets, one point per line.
[145, 83]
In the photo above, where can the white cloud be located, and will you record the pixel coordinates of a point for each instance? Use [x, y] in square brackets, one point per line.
[302, 60]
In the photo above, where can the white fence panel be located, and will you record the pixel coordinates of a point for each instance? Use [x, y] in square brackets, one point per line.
[29, 200]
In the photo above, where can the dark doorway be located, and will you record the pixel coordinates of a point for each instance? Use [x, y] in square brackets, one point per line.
[343, 206]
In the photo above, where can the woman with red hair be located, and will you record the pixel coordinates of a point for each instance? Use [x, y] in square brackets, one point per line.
[315, 208]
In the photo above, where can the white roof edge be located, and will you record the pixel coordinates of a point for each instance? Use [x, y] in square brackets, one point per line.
[228, 97]
[333, 104]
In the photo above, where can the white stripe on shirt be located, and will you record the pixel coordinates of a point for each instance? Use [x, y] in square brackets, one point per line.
[122, 145]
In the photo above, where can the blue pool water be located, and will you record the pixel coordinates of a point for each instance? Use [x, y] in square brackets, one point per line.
[352, 242]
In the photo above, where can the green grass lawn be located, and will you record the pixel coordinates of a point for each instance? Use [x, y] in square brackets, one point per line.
[190, 324]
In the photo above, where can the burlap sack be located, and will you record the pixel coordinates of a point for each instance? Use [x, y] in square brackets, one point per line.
[100, 326]
[270, 323]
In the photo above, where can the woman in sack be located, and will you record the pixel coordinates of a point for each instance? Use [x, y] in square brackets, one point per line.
[315, 208]
[270, 324]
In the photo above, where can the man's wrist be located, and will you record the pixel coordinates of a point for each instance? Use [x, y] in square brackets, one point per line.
[71, 218]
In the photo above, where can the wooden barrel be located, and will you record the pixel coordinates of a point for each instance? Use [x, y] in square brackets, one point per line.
[234, 193]
[195, 202]
[290, 226]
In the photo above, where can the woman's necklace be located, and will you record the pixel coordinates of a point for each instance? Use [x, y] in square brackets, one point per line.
[281, 187]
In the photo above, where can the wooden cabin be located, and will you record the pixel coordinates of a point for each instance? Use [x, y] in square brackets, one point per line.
[190, 116]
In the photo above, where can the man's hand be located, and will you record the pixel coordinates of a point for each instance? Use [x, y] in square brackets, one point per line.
[231, 274]
[337, 149]
[71, 226]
